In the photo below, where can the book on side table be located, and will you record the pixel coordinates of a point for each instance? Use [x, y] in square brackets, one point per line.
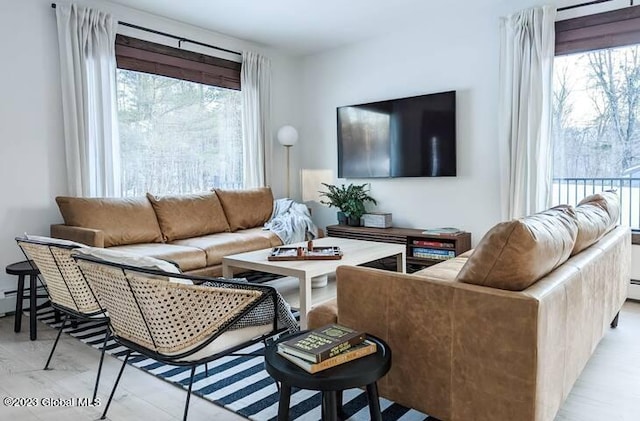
[358, 351]
[323, 343]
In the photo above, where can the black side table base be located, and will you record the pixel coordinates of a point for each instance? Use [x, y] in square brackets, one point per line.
[357, 373]
[329, 406]
[374, 402]
[283, 404]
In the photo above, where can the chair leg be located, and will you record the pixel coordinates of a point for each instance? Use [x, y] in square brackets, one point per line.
[186, 405]
[33, 307]
[104, 347]
[17, 324]
[113, 391]
[46, 366]
[206, 369]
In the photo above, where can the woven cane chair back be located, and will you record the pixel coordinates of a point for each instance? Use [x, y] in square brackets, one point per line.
[60, 273]
[167, 318]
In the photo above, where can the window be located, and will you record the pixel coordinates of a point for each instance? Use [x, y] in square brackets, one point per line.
[179, 119]
[596, 110]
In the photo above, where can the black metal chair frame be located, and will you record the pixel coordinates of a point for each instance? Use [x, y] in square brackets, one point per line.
[71, 314]
[269, 293]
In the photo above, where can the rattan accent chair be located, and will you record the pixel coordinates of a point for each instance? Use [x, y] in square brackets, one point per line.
[174, 323]
[67, 289]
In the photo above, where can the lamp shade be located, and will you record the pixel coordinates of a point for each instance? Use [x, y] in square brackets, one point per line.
[287, 136]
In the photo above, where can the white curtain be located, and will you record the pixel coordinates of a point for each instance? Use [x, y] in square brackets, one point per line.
[255, 80]
[526, 78]
[86, 39]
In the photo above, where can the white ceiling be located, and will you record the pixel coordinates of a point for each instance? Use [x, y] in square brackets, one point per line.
[302, 26]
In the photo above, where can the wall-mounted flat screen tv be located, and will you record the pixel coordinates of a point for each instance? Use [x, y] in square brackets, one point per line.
[406, 137]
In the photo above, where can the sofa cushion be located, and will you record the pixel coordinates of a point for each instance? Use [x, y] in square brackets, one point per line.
[444, 271]
[513, 255]
[123, 220]
[136, 260]
[187, 258]
[246, 208]
[190, 215]
[608, 201]
[593, 223]
[223, 244]
[323, 314]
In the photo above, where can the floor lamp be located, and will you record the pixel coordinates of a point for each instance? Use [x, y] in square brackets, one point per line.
[287, 137]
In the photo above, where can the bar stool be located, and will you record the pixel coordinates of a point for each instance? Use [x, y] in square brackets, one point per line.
[22, 269]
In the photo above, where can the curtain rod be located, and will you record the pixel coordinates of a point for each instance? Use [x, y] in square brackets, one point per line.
[180, 39]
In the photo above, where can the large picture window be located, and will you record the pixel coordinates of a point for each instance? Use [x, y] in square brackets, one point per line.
[596, 109]
[179, 120]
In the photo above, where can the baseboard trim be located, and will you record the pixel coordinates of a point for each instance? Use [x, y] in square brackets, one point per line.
[634, 290]
[7, 303]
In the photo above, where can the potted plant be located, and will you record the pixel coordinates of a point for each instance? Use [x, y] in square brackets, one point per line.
[349, 199]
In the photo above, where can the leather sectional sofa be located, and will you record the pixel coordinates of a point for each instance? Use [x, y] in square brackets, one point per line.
[504, 331]
[194, 231]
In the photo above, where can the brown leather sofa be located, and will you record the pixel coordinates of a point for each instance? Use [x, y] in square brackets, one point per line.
[194, 231]
[504, 331]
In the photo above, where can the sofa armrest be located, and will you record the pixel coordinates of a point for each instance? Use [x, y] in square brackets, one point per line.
[465, 347]
[88, 236]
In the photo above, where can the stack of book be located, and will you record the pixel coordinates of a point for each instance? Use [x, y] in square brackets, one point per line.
[326, 347]
[429, 243]
[435, 254]
[443, 231]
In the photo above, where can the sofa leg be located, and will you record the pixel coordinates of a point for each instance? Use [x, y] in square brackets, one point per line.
[614, 322]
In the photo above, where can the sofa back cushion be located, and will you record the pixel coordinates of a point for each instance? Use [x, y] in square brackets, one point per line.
[190, 215]
[593, 223]
[246, 208]
[123, 220]
[608, 201]
[514, 255]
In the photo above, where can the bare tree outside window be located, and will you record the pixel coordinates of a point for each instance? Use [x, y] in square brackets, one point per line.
[177, 136]
[596, 131]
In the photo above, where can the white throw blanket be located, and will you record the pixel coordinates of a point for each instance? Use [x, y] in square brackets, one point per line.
[291, 222]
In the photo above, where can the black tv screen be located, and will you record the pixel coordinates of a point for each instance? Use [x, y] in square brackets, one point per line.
[406, 137]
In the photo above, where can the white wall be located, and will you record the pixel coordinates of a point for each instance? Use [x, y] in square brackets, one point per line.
[451, 52]
[32, 168]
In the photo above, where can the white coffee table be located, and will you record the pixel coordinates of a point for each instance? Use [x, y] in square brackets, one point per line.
[356, 252]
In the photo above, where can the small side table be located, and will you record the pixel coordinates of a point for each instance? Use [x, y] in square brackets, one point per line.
[22, 269]
[365, 371]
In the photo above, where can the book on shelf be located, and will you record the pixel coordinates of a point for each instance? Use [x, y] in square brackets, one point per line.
[432, 256]
[322, 343]
[433, 244]
[435, 251]
[435, 254]
[442, 231]
[357, 351]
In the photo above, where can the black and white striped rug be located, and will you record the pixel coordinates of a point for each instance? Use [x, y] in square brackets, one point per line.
[239, 384]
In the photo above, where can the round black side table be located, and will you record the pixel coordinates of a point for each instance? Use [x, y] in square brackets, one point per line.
[23, 269]
[365, 371]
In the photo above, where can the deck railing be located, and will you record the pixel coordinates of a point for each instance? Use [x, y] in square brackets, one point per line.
[572, 190]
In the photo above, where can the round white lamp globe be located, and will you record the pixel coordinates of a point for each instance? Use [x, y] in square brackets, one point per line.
[287, 136]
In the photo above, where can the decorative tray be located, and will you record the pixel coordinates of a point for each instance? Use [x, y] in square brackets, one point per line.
[305, 253]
